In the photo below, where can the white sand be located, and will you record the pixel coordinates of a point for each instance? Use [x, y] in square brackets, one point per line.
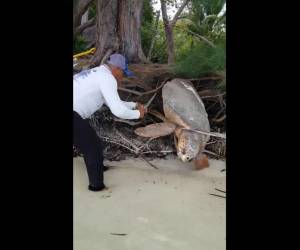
[168, 208]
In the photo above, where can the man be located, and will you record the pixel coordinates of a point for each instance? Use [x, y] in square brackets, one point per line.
[91, 89]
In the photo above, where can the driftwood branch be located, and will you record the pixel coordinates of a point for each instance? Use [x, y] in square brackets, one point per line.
[136, 149]
[150, 101]
[150, 163]
[218, 195]
[211, 153]
[158, 115]
[146, 144]
[218, 114]
[141, 93]
[117, 143]
[131, 123]
[219, 135]
[213, 96]
[158, 152]
[220, 119]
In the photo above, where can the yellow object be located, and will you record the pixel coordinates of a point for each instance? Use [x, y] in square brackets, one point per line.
[91, 51]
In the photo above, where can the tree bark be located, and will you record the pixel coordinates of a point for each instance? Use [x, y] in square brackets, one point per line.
[82, 27]
[169, 26]
[118, 29]
[79, 8]
[170, 43]
[85, 17]
[129, 25]
[106, 24]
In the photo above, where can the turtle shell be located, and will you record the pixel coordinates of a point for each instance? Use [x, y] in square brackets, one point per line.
[183, 106]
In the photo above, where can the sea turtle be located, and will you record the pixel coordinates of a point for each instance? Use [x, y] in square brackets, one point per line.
[184, 113]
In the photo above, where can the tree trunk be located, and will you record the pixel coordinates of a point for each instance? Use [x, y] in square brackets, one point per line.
[129, 25]
[118, 30]
[84, 26]
[170, 43]
[79, 8]
[169, 25]
[85, 17]
[106, 23]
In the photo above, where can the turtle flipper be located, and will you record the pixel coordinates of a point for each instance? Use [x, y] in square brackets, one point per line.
[156, 129]
[201, 161]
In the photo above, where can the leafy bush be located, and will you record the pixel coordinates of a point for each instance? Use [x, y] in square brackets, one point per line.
[202, 60]
[79, 44]
[147, 25]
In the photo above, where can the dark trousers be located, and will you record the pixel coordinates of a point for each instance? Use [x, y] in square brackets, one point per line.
[89, 144]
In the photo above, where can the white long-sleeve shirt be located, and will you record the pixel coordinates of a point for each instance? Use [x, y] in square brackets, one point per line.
[95, 87]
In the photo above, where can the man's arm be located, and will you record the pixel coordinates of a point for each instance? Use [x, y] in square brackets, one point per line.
[113, 101]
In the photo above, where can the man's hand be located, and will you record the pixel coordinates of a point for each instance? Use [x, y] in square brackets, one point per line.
[143, 110]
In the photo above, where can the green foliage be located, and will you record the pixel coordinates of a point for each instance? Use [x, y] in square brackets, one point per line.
[147, 25]
[79, 44]
[194, 57]
[92, 10]
[205, 19]
[183, 41]
[202, 60]
[159, 54]
[207, 7]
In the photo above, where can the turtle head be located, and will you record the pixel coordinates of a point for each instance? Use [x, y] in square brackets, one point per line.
[188, 145]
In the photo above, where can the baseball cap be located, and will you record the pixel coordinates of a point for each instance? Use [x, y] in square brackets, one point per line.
[117, 60]
[121, 62]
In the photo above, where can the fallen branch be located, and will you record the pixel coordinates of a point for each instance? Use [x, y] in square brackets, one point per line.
[146, 144]
[150, 100]
[115, 142]
[128, 141]
[157, 152]
[213, 96]
[211, 153]
[220, 190]
[150, 163]
[118, 234]
[219, 135]
[211, 142]
[218, 195]
[127, 121]
[220, 119]
[219, 113]
[211, 106]
[158, 115]
[142, 93]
